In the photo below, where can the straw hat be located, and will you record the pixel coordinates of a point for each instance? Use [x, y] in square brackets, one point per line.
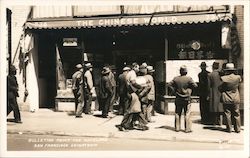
[150, 69]
[229, 67]
[126, 68]
[88, 65]
[79, 66]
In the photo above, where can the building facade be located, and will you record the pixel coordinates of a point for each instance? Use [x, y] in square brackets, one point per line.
[48, 41]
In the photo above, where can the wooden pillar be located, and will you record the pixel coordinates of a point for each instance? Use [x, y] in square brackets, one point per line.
[165, 69]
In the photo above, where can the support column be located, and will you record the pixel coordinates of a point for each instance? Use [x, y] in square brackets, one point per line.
[32, 77]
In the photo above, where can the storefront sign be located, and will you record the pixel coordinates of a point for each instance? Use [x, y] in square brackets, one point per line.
[195, 50]
[128, 20]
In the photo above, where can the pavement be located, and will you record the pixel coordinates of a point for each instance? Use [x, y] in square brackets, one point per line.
[49, 122]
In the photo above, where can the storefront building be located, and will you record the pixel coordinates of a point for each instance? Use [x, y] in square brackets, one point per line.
[57, 38]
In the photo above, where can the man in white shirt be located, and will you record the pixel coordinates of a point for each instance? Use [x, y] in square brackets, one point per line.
[88, 88]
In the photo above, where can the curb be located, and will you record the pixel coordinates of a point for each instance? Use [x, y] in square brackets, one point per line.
[138, 137]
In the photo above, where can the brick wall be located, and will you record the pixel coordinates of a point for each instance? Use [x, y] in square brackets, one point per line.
[239, 12]
[19, 17]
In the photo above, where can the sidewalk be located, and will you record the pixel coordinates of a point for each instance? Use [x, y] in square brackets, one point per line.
[49, 122]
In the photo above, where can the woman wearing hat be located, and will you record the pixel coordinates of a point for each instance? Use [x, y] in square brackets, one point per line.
[230, 97]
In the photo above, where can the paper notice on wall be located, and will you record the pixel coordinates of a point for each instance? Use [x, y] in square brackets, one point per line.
[193, 68]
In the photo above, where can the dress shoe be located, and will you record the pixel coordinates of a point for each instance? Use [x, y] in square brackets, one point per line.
[18, 121]
[189, 131]
[144, 128]
[78, 116]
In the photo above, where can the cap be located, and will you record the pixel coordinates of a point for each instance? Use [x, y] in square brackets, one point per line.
[105, 70]
[183, 68]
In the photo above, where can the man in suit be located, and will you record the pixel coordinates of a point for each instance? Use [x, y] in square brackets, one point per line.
[122, 82]
[216, 107]
[230, 97]
[12, 89]
[88, 88]
[76, 81]
[182, 87]
[105, 91]
[151, 94]
[203, 93]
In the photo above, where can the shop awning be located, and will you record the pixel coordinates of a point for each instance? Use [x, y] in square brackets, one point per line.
[143, 20]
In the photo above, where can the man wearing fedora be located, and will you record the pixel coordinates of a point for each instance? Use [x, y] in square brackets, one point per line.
[12, 94]
[203, 93]
[122, 90]
[182, 86]
[216, 107]
[105, 91]
[230, 97]
[76, 82]
[88, 87]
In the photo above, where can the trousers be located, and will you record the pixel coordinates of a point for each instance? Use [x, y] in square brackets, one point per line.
[13, 106]
[181, 105]
[232, 114]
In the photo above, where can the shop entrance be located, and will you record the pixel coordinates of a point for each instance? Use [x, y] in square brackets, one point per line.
[46, 72]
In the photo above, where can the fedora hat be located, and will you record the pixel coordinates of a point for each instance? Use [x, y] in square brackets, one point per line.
[229, 67]
[126, 68]
[105, 70]
[150, 69]
[79, 66]
[12, 68]
[216, 65]
[203, 64]
[88, 65]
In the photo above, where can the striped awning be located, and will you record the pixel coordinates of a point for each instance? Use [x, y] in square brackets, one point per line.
[143, 20]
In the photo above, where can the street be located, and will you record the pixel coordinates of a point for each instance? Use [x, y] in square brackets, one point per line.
[24, 142]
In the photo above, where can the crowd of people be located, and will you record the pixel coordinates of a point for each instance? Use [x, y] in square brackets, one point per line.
[218, 93]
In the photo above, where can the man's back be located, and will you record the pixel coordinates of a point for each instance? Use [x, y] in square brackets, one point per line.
[183, 85]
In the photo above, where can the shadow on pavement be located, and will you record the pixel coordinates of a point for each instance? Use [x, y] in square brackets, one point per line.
[167, 127]
[215, 128]
[71, 113]
[98, 115]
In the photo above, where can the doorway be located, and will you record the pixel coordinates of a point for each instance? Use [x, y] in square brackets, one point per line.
[46, 71]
